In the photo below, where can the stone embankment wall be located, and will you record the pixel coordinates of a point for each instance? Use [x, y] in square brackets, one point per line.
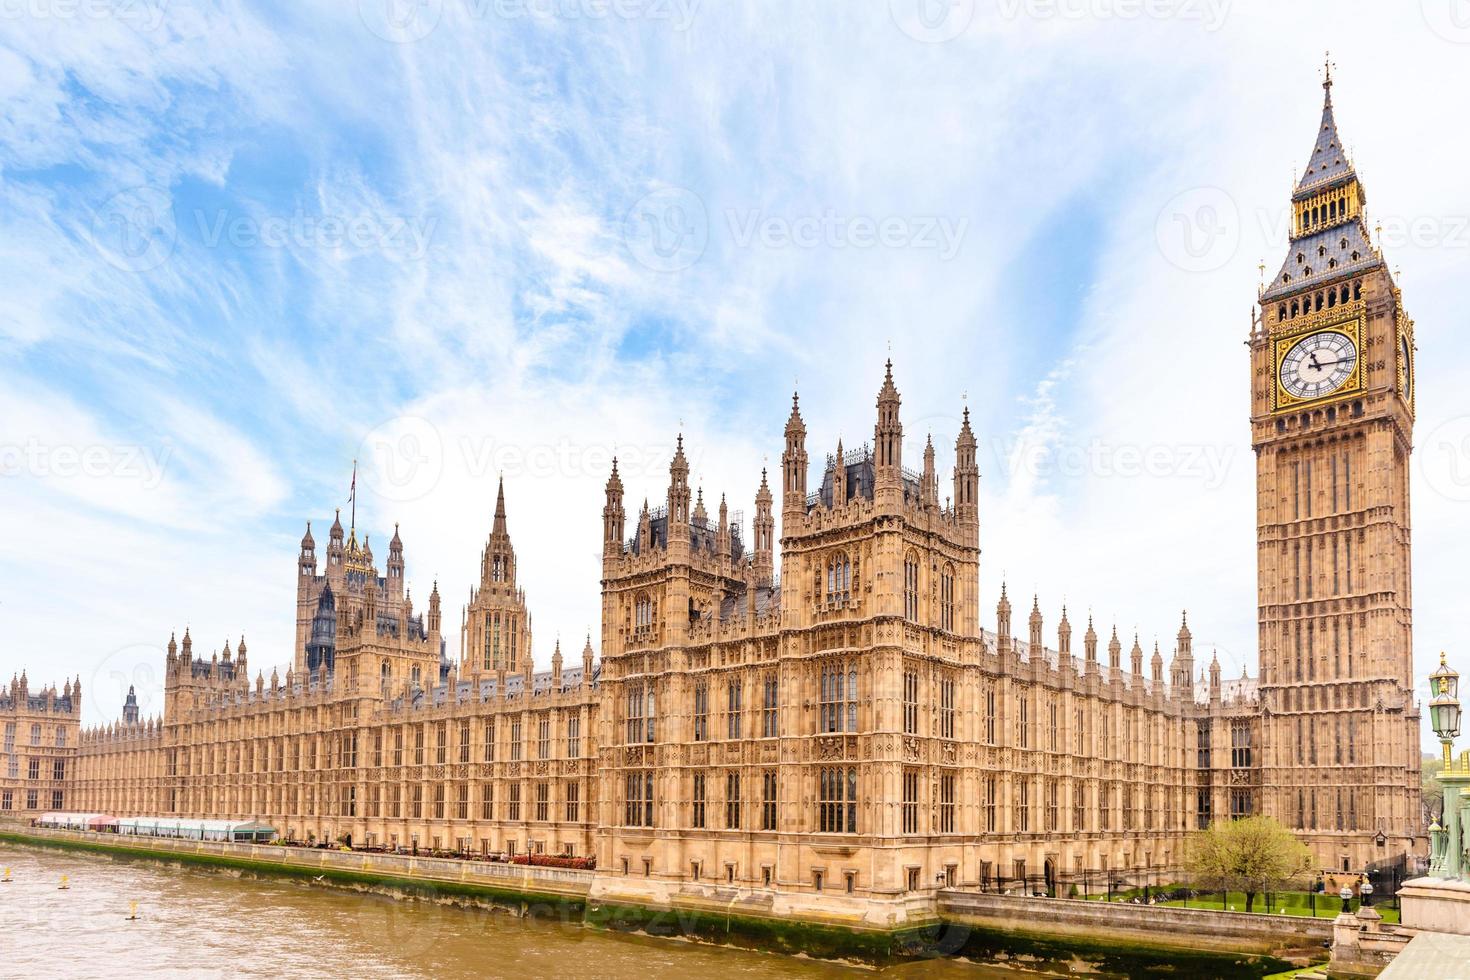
[1190, 928]
[344, 866]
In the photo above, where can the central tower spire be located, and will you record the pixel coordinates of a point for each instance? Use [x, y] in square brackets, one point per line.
[888, 444]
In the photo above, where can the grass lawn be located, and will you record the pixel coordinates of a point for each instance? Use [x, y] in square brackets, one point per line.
[1291, 903]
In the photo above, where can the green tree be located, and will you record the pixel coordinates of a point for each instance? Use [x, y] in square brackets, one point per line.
[1253, 855]
[1432, 790]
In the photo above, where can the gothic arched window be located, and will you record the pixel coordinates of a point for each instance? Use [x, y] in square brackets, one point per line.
[946, 598]
[839, 696]
[911, 586]
[839, 578]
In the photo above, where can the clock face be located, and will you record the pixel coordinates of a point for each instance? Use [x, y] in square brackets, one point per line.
[1318, 365]
[1407, 359]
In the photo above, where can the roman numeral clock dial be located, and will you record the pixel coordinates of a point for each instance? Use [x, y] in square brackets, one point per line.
[1318, 365]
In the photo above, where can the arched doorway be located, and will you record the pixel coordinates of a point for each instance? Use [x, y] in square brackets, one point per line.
[1049, 869]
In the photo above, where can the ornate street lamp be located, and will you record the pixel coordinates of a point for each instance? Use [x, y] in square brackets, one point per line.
[1365, 890]
[1346, 894]
[1444, 706]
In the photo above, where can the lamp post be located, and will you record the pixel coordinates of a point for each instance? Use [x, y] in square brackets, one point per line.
[1444, 706]
[1366, 891]
[1444, 718]
[1346, 894]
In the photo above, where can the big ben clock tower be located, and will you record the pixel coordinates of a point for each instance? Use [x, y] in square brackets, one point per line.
[1332, 418]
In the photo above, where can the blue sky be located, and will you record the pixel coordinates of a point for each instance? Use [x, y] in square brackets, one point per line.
[245, 244]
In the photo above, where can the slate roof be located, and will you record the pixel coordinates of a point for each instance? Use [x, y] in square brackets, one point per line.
[1329, 162]
[767, 600]
[1326, 255]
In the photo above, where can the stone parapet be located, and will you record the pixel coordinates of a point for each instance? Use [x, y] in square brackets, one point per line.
[1436, 905]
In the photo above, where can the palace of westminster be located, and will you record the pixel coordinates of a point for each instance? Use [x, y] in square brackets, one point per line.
[847, 727]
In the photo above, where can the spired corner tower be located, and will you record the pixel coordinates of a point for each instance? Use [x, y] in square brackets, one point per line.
[1332, 416]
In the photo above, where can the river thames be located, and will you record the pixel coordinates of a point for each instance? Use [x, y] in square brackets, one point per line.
[204, 924]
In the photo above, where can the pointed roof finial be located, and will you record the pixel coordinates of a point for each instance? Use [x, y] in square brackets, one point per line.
[499, 525]
[1327, 75]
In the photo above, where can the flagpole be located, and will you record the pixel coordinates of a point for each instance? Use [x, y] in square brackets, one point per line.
[352, 495]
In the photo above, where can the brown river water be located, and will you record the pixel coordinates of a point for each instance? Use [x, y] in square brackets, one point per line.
[207, 924]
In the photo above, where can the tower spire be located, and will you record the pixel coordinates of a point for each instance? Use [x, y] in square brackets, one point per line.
[499, 527]
[1329, 238]
[888, 438]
